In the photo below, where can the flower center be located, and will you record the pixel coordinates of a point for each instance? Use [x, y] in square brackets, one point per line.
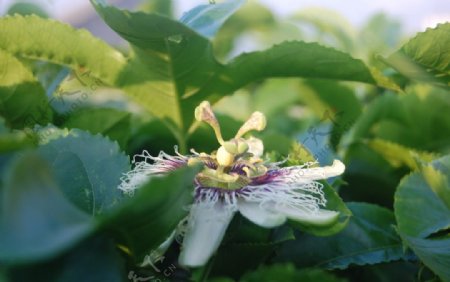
[236, 161]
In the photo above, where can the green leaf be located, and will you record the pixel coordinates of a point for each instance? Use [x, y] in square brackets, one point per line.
[369, 238]
[299, 155]
[288, 273]
[426, 56]
[88, 168]
[34, 210]
[171, 63]
[207, 19]
[334, 203]
[22, 99]
[112, 123]
[97, 259]
[398, 155]
[289, 59]
[149, 216]
[422, 210]
[48, 40]
[407, 119]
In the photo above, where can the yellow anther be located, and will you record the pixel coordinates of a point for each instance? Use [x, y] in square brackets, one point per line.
[257, 121]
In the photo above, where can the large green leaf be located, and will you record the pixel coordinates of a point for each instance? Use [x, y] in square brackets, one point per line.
[149, 216]
[36, 220]
[426, 56]
[22, 99]
[173, 61]
[48, 40]
[288, 273]
[369, 238]
[289, 59]
[88, 168]
[422, 209]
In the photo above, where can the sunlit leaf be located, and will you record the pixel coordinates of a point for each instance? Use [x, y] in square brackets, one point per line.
[22, 99]
[426, 56]
[60, 44]
[398, 155]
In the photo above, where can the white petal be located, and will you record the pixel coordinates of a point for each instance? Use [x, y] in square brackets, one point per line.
[319, 217]
[317, 173]
[259, 215]
[207, 227]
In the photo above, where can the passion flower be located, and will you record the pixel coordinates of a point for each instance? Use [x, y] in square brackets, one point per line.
[235, 178]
